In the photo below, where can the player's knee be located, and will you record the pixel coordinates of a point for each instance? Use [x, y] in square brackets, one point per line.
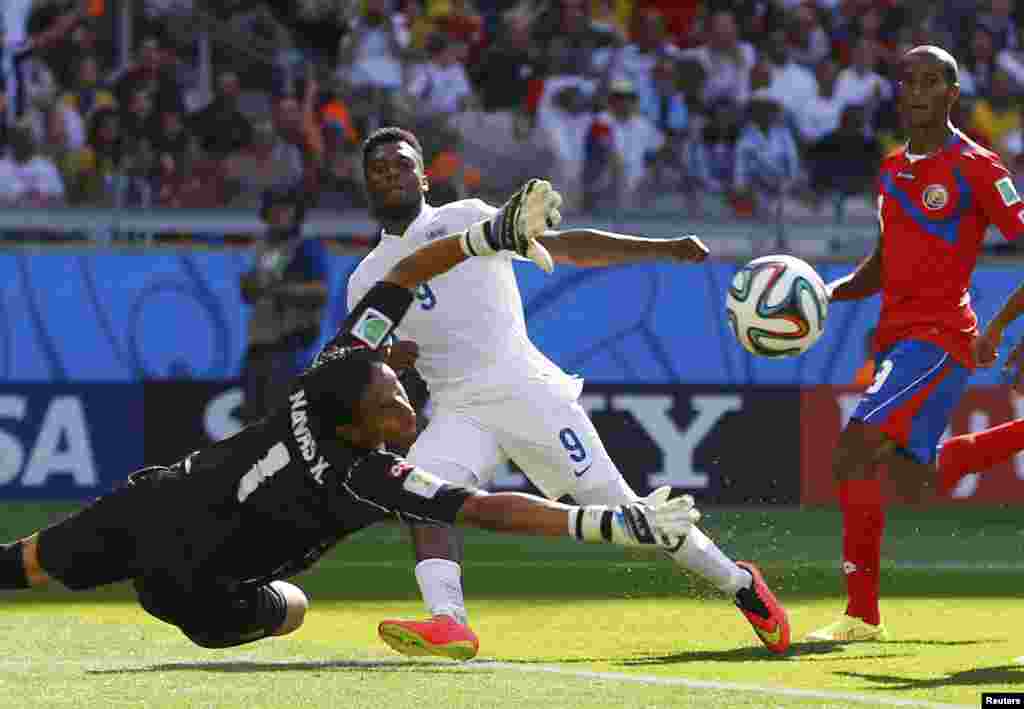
[296, 604]
[860, 446]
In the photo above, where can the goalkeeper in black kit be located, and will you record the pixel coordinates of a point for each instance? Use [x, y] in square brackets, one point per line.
[208, 541]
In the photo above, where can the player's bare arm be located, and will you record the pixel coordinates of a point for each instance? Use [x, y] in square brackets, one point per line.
[596, 248]
[987, 345]
[864, 282]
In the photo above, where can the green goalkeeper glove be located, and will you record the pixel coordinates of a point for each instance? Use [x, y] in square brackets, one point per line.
[517, 225]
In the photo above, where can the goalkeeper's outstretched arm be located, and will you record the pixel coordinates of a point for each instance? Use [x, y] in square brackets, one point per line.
[655, 521]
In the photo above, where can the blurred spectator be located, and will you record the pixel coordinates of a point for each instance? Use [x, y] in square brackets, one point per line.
[757, 17]
[370, 58]
[562, 124]
[808, 41]
[256, 20]
[286, 289]
[633, 140]
[31, 179]
[726, 60]
[221, 127]
[712, 157]
[662, 101]
[996, 119]
[635, 62]
[137, 116]
[153, 73]
[16, 54]
[440, 86]
[40, 94]
[460, 21]
[606, 17]
[820, 116]
[91, 171]
[174, 149]
[1001, 23]
[509, 65]
[572, 41]
[85, 92]
[792, 84]
[269, 160]
[84, 40]
[844, 162]
[767, 163]
[977, 67]
[859, 84]
[336, 120]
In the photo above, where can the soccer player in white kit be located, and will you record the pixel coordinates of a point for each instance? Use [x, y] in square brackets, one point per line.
[495, 396]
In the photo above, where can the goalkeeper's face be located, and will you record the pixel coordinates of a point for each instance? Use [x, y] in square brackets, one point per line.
[395, 180]
[385, 414]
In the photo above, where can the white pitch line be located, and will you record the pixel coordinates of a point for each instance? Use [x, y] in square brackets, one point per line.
[525, 668]
[722, 686]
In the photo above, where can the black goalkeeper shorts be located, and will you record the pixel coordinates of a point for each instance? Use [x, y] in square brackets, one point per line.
[214, 616]
[119, 536]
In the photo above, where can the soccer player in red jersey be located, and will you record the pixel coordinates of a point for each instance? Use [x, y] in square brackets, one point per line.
[936, 197]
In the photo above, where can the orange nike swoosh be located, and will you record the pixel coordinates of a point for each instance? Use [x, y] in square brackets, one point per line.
[771, 638]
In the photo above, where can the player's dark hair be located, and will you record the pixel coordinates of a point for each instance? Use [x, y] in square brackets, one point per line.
[390, 134]
[336, 382]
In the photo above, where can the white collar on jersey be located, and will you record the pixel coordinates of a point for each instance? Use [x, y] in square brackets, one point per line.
[426, 212]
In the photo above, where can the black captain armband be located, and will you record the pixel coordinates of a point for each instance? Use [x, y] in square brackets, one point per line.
[373, 319]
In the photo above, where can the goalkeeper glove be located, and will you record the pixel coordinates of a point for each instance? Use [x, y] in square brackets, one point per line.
[653, 520]
[517, 225]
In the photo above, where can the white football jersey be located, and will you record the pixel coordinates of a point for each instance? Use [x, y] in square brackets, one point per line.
[469, 322]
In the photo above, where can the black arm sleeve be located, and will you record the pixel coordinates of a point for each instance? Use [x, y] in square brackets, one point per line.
[372, 321]
[398, 487]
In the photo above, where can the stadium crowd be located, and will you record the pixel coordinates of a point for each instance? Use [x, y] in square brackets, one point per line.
[718, 105]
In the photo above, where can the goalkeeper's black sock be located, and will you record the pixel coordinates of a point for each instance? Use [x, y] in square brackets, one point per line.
[12, 567]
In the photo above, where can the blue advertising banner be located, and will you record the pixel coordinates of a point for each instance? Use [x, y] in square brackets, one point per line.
[92, 316]
[68, 441]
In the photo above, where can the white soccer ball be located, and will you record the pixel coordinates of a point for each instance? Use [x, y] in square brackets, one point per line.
[777, 306]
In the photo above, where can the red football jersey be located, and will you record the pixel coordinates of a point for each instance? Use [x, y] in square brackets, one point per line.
[933, 213]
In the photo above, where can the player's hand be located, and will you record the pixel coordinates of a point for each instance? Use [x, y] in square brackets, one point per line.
[658, 520]
[690, 249]
[986, 348]
[1013, 369]
[518, 224]
[402, 355]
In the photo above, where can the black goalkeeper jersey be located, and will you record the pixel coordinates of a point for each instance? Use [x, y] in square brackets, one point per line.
[269, 501]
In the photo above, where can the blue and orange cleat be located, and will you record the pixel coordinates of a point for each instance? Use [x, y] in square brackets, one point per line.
[441, 636]
[763, 610]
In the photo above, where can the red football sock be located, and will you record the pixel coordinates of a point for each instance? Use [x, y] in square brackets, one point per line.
[863, 526]
[977, 452]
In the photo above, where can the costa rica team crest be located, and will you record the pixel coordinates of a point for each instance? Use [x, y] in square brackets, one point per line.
[935, 197]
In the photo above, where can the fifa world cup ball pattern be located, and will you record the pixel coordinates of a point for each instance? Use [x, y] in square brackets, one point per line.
[777, 306]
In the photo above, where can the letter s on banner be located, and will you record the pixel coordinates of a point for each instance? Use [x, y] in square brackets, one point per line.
[12, 454]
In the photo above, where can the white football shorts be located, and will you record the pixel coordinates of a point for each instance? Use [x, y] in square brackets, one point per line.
[540, 427]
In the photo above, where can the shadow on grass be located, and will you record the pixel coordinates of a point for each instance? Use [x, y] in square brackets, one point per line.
[999, 675]
[249, 666]
[814, 650]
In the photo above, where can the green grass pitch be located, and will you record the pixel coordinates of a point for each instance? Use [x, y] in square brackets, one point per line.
[562, 625]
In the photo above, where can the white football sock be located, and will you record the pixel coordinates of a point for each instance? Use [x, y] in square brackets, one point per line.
[700, 555]
[440, 582]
